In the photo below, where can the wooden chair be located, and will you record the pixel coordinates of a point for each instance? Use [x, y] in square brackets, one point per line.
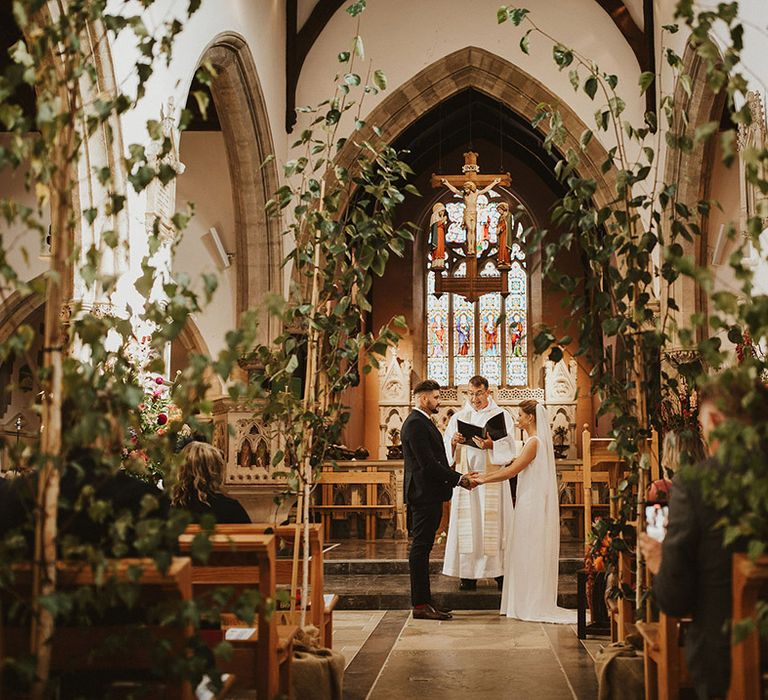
[241, 562]
[664, 662]
[575, 478]
[321, 604]
[750, 584]
[371, 479]
[82, 653]
[600, 460]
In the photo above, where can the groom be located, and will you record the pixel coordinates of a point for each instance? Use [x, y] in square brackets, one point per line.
[429, 481]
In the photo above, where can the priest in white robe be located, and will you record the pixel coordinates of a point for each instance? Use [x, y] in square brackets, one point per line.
[477, 528]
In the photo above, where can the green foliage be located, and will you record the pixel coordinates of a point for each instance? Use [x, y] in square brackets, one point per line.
[342, 222]
[625, 328]
[100, 392]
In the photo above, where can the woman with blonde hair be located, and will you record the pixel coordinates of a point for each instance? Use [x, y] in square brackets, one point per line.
[532, 556]
[198, 485]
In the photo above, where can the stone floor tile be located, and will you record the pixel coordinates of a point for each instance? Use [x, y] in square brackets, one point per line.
[459, 675]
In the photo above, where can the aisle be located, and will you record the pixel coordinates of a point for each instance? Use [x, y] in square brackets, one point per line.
[478, 654]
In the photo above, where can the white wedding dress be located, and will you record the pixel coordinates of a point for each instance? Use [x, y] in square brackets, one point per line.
[533, 545]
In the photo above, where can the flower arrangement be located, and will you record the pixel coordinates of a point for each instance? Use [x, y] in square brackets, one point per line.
[157, 414]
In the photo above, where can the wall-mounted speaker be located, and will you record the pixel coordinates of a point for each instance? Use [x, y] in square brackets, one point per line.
[212, 242]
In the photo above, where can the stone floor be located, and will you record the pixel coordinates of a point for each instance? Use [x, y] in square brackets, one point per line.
[373, 575]
[477, 655]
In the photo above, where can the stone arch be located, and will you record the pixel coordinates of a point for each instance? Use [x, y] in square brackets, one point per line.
[16, 309]
[191, 340]
[692, 170]
[518, 91]
[473, 67]
[242, 110]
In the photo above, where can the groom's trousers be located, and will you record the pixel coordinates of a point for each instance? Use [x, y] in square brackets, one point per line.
[425, 519]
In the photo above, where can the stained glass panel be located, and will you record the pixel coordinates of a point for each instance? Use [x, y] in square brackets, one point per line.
[463, 340]
[474, 329]
[489, 310]
[437, 334]
[517, 327]
[487, 222]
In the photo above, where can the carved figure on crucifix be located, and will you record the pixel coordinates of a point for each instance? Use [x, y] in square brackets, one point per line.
[470, 193]
[438, 226]
[505, 236]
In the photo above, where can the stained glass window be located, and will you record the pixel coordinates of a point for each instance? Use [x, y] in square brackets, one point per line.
[437, 334]
[466, 338]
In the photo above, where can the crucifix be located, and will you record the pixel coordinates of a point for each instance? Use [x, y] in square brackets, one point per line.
[471, 286]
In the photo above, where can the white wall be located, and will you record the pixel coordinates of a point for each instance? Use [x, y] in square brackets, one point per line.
[402, 37]
[22, 246]
[260, 23]
[206, 182]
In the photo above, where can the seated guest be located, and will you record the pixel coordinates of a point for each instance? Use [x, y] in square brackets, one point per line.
[692, 567]
[92, 501]
[198, 482]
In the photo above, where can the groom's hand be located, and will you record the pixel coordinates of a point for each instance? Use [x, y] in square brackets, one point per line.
[466, 483]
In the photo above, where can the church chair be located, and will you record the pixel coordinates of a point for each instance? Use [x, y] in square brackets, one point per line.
[370, 479]
[321, 604]
[663, 659]
[261, 655]
[116, 651]
[750, 585]
[601, 464]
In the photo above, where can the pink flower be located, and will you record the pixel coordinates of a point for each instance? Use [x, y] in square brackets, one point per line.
[156, 394]
[162, 419]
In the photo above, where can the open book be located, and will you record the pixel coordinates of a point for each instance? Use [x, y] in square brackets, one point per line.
[495, 429]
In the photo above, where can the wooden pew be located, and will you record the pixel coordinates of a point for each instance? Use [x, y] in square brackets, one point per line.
[73, 647]
[371, 479]
[321, 605]
[664, 661]
[242, 562]
[750, 584]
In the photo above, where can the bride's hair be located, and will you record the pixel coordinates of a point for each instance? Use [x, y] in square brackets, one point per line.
[529, 406]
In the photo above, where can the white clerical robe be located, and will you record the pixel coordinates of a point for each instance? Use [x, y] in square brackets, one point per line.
[476, 531]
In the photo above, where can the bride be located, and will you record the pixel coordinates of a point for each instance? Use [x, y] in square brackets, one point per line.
[533, 547]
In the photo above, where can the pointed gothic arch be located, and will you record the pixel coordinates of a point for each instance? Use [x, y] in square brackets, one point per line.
[473, 67]
[692, 170]
[242, 110]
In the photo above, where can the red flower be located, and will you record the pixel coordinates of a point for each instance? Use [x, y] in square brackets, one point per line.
[162, 419]
[159, 380]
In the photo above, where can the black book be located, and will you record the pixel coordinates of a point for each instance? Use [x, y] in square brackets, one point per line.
[495, 429]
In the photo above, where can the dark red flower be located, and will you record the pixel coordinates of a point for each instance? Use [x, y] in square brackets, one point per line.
[162, 419]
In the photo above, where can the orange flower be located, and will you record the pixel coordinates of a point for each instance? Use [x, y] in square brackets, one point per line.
[599, 565]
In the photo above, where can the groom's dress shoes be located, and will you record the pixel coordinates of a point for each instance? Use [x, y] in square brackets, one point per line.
[429, 613]
[441, 608]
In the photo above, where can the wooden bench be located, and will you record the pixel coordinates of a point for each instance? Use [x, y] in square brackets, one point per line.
[82, 653]
[371, 479]
[665, 669]
[321, 605]
[750, 584]
[262, 657]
